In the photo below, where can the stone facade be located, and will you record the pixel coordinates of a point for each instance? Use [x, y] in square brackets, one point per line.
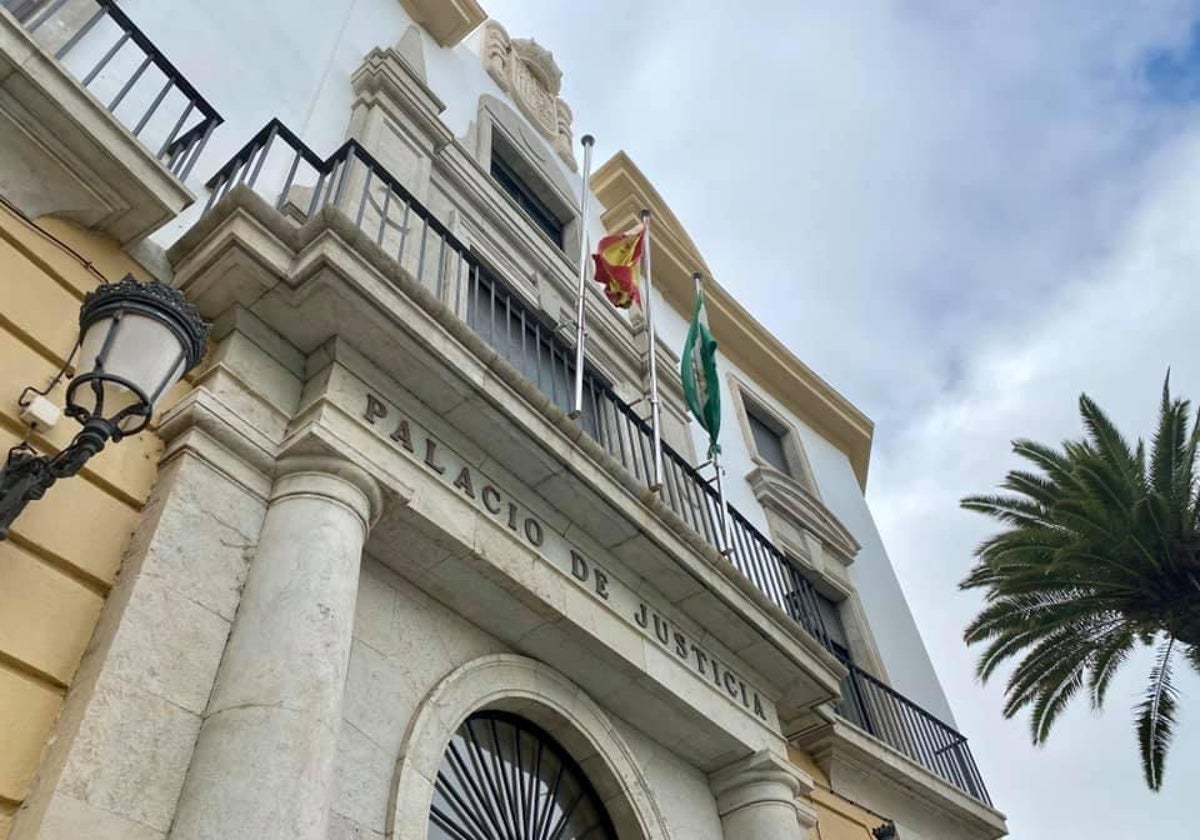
[373, 517]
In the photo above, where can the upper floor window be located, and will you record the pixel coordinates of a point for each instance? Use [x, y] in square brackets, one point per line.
[767, 440]
[516, 179]
[771, 439]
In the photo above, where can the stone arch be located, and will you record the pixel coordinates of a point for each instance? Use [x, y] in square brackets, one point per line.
[535, 691]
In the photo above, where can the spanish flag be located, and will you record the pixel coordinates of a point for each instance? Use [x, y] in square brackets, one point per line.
[618, 266]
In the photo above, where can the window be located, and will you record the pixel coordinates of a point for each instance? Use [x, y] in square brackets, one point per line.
[771, 439]
[503, 777]
[853, 705]
[506, 170]
[498, 317]
[831, 615]
[767, 441]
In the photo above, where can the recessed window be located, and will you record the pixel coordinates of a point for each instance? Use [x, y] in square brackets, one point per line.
[768, 440]
[772, 440]
[514, 177]
[831, 615]
[534, 347]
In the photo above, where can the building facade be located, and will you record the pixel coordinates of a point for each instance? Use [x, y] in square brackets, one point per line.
[365, 577]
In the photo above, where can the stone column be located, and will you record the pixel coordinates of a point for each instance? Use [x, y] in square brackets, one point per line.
[758, 799]
[264, 760]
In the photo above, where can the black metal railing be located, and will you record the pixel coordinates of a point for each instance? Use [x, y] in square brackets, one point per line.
[279, 166]
[115, 61]
[897, 721]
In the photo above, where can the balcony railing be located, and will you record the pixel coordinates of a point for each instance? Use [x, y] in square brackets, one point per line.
[280, 167]
[902, 724]
[124, 70]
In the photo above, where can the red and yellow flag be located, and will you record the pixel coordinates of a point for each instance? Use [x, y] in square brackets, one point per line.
[618, 266]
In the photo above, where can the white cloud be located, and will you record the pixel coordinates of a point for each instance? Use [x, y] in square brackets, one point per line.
[1111, 331]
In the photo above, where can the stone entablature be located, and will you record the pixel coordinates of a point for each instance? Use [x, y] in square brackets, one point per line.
[451, 370]
[527, 72]
[585, 569]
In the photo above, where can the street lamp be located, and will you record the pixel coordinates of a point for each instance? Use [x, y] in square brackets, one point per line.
[136, 340]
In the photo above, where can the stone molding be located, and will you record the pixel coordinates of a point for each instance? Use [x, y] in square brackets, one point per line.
[334, 479]
[388, 79]
[527, 72]
[535, 691]
[448, 21]
[493, 112]
[800, 509]
[843, 751]
[760, 779]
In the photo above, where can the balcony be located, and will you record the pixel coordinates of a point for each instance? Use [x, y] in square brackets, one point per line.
[280, 168]
[104, 129]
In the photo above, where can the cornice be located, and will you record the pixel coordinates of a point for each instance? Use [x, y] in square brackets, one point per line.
[624, 190]
[795, 502]
[448, 21]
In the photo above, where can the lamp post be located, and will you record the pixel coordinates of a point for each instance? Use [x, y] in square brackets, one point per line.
[136, 340]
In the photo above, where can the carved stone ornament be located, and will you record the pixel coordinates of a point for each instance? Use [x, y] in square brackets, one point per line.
[526, 71]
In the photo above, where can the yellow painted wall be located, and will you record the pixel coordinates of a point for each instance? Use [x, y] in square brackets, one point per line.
[63, 553]
[837, 818]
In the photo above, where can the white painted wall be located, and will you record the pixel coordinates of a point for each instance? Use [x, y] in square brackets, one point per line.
[293, 59]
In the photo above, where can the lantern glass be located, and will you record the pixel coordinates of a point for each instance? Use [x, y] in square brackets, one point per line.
[134, 360]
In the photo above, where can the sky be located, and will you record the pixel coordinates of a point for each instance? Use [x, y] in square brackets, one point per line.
[962, 215]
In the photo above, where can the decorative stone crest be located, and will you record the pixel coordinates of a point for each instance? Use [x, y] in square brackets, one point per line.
[527, 72]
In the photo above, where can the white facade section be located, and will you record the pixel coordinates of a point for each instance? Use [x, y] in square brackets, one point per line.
[907, 664]
[292, 60]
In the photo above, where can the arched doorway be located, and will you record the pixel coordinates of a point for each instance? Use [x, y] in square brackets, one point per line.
[502, 777]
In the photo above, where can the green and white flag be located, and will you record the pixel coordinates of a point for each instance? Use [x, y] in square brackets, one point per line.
[701, 386]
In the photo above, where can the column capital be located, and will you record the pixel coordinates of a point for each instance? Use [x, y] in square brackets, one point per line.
[761, 779]
[331, 478]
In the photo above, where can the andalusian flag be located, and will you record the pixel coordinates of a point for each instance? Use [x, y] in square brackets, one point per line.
[618, 260]
[701, 387]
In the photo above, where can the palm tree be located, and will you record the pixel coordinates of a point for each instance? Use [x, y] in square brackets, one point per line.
[1100, 554]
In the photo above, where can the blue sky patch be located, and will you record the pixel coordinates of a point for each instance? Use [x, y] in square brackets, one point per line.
[1174, 75]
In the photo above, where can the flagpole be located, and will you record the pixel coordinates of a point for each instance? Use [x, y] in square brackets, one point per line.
[580, 329]
[655, 419]
[726, 536]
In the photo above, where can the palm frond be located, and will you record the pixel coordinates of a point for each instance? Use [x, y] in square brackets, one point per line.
[1107, 440]
[1106, 660]
[1192, 654]
[1168, 449]
[1156, 717]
